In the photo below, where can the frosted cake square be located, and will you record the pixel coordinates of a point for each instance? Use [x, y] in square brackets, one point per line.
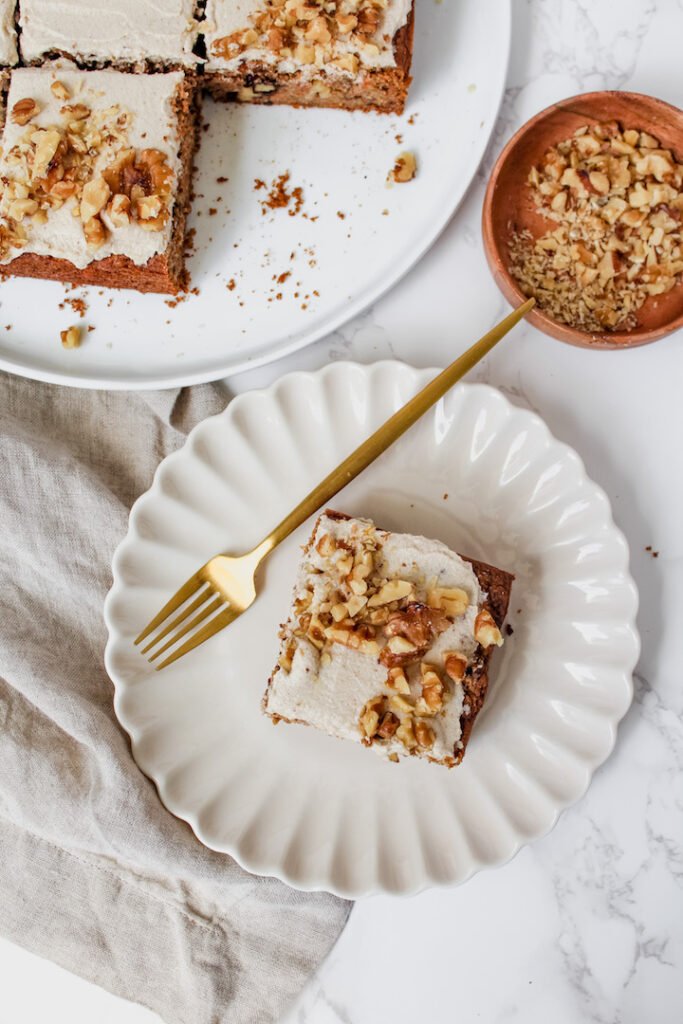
[352, 54]
[95, 174]
[388, 640]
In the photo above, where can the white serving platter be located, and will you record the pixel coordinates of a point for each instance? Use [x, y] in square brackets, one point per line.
[353, 238]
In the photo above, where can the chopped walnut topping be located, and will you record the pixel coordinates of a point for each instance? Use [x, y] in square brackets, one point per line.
[388, 726]
[394, 590]
[119, 211]
[95, 233]
[417, 623]
[455, 665]
[60, 91]
[369, 716]
[400, 703]
[286, 658]
[24, 110]
[94, 198]
[617, 200]
[486, 632]
[351, 638]
[326, 546]
[396, 680]
[344, 34]
[433, 692]
[406, 733]
[424, 734]
[453, 601]
[52, 165]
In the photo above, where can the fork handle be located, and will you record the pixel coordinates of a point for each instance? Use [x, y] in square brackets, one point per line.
[396, 425]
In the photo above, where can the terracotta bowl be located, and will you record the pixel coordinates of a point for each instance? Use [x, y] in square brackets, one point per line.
[508, 206]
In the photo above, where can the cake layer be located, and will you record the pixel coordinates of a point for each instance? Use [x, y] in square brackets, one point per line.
[356, 55]
[388, 640]
[91, 164]
[8, 32]
[162, 32]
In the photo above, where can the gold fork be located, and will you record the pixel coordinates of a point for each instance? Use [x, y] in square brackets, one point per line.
[227, 582]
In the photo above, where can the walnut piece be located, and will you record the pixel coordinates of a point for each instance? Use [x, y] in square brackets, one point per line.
[452, 600]
[59, 90]
[71, 337]
[486, 632]
[455, 665]
[424, 734]
[404, 169]
[417, 623]
[24, 110]
[94, 198]
[393, 590]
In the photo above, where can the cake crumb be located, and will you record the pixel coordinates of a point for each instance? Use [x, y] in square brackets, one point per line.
[231, 284]
[508, 629]
[445, 497]
[279, 197]
[342, 216]
[221, 180]
[78, 305]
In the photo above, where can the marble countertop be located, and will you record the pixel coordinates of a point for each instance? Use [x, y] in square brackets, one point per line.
[587, 923]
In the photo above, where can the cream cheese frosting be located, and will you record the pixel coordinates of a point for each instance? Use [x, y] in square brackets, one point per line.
[132, 112]
[111, 30]
[8, 32]
[227, 18]
[329, 688]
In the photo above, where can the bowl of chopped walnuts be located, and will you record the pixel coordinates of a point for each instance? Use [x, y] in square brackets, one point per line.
[584, 211]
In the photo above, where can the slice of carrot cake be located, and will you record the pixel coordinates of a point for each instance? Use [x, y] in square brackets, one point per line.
[353, 54]
[95, 176]
[140, 34]
[388, 641]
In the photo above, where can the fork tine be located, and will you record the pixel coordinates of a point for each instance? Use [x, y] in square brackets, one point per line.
[207, 609]
[224, 618]
[187, 590]
[197, 603]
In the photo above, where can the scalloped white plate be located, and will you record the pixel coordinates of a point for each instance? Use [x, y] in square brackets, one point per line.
[476, 472]
[357, 238]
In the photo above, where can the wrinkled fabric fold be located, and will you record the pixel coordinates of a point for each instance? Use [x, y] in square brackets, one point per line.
[94, 873]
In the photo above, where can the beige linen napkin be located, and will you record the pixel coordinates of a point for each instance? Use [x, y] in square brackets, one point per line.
[94, 873]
